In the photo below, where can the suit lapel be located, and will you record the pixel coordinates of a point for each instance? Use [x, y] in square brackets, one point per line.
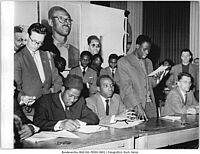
[181, 96]
[30, 61]
[57, 102]
[134, 62]
[112, 106]
[100, 106]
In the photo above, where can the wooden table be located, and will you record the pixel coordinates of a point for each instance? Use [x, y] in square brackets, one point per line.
[154, 133]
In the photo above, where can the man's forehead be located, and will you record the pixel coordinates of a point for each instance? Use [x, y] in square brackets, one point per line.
[106, 81]
[61, 13]
[186, 78]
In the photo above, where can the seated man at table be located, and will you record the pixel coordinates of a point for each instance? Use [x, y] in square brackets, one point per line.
[107, 105]
[181, 100]
[65, 110]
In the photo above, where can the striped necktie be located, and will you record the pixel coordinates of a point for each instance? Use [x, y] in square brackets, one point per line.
[107, 106]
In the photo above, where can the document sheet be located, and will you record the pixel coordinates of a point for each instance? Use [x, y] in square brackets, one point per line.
[91, 129]
[48, 135]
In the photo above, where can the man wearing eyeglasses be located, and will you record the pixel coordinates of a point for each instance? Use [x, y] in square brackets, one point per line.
[34, 74]
[57, 42]
[181, 99]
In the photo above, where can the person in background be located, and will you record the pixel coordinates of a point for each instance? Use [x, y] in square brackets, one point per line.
[57, 43]
[196, 61]
[185, 66]
[34, 74]
[112, 71]
[136, 88]
[97, 61]
[60, 64]
[161, 90]
[66, 110]
[20, 37]
[94, 45]
[181, 99]
[107, 105]
[88, 75]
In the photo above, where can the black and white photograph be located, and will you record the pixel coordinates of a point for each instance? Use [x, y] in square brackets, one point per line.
[99, 77]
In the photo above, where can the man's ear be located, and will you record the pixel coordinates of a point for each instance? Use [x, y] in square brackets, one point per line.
[178, 83]
[137, 46]
[98, 88]
[50, 22]
[62, 89]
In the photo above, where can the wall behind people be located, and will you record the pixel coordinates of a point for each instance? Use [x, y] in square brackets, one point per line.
[107, 24]
[25, 12]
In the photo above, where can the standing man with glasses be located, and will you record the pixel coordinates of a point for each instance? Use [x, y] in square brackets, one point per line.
[181, 100]
[57, 42]
[34, 74]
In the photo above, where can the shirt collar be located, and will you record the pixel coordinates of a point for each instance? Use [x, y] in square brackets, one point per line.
[58, 44]
[82, 68]
[32, 52]
[62, 103]
[182, 93]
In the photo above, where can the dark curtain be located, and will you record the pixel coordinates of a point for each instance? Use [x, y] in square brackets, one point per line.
[167, 23]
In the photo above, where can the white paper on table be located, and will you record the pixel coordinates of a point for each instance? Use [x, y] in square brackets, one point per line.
[91, 129]
[172, 118]
[48, 135]
[123, 124]
[159, 69]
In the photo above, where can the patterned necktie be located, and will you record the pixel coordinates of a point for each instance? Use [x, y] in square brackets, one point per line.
[107, 106]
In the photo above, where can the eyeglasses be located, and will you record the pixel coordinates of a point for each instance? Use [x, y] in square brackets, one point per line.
[63, 20]
[35, 42]
[96, 45]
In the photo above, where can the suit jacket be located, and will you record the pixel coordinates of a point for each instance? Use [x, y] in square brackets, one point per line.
[95, 103]
[73, 52]
[27, 76]
[193, 70]
[89, 77]
[133, 85]
[175, 103]
[49, 110]
[18, 111]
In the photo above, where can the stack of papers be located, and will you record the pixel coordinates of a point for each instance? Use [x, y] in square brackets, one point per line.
[123, 124]
[172, 118]
[91, 129]
[159, 69]
[47, 135]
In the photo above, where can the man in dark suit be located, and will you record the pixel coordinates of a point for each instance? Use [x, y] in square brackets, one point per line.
[34, 73]
[107, 105]
[64, 110]
[57, 42]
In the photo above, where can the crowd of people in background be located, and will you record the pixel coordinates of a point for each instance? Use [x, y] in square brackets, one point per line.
[58, 87]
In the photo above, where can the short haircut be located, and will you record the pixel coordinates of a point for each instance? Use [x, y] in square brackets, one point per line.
[143, 38]
[181, 74]
[86, 53]
[58, 60]
[18, 29]
[196, 58]
[186, 50]
[169, 61]
[103, 77]
[54, 9]
[92, 37]
[97, 56]
[113, 56]
[38, 28]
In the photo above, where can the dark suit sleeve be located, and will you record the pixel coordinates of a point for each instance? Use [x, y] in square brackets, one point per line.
[88, 115]
[42, 114]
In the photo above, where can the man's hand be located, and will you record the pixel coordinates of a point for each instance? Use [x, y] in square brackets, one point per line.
[70, 125]
[26, 132]
[126, 115]
[141, 113]
[27, 100]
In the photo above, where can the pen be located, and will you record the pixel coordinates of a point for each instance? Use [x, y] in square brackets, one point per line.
[126, 122]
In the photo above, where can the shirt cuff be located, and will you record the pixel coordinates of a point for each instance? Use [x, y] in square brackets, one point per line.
[36, 129]
[112, 119]
[57, 126]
